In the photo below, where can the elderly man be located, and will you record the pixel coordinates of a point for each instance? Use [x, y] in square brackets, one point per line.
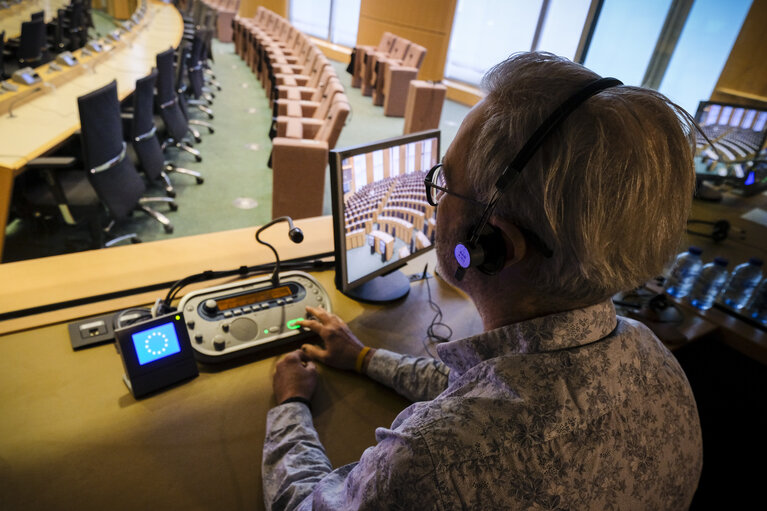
[559, 404]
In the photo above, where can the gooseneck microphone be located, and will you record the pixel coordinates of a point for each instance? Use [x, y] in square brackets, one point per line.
[295, 234]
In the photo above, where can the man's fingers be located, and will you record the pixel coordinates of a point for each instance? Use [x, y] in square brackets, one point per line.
[312, 324]
[313, 352]
[318, 312]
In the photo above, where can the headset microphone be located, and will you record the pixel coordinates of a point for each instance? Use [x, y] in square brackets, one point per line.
[485, 248]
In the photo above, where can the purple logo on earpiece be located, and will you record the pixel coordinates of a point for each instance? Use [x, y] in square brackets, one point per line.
[462, 255]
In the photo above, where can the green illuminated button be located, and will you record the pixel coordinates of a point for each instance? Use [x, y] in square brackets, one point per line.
[292, 323]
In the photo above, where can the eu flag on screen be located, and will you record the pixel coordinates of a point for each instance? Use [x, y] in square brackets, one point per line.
[155, 343]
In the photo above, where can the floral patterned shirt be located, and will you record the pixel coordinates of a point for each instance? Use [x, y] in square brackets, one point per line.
[575, 410]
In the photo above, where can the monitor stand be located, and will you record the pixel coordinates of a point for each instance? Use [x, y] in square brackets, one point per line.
[383, 289]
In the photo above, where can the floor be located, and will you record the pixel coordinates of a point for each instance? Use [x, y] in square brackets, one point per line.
[237, 188]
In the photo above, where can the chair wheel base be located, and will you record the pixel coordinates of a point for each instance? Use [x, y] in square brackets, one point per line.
[200, 180]
[173, 206]
[169, 229]
[198, 158]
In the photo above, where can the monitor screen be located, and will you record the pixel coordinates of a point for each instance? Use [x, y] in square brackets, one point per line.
[381, 217]
[737, 131]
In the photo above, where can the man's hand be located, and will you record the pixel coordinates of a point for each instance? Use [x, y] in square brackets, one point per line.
[296, 376]
[341, 346]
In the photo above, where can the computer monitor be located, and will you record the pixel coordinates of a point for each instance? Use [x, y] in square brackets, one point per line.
[737, 134]
[381, 218]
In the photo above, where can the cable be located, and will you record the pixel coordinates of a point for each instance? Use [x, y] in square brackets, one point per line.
[312, 263]
[431, 331]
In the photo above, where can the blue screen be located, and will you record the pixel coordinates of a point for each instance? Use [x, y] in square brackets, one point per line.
[155, 343]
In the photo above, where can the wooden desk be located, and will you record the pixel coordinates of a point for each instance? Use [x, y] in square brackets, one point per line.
[71, 435]
[51, 117]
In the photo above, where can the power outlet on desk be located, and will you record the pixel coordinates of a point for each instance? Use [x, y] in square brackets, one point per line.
[91, 331]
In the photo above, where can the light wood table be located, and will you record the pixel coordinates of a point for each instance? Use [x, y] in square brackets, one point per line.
[72, 436]
[45, 114]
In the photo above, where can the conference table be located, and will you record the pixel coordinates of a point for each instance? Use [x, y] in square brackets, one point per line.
[73, 437]
[37, 118]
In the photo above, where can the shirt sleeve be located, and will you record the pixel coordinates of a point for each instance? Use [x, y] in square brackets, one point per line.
[294, 460]
[416, 378]
[398, 473]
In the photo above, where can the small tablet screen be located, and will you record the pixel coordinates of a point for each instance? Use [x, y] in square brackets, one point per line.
[155, 343]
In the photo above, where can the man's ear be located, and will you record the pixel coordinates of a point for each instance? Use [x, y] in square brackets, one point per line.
[516, 246]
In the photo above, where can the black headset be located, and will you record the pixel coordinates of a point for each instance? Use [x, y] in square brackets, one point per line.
[485, 248]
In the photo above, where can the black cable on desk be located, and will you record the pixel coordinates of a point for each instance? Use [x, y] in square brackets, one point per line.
[311, 263]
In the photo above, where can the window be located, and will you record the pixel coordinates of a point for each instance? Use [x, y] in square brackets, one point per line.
[378, 166]
[360, 172]
[702, 50]
[410, 162]
[333, 20]
[394, 160]
[426, 157]
[485, 32]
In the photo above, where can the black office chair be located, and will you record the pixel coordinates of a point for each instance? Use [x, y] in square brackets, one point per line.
[176, 123]
[182, 88]
[195, 73]
[32, 44]
[111, 180]
[144, 137]
[3, 74]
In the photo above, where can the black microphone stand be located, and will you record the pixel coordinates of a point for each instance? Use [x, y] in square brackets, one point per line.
[295, 234]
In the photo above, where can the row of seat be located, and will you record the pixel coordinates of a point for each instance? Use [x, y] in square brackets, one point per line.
[308, 103]
[116, 141]
[386, 70]
[39, 42]
[225, 11]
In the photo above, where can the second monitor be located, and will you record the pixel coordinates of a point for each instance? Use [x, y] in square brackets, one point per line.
[381, 217]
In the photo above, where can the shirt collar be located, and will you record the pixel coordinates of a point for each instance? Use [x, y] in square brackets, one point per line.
[545, 333]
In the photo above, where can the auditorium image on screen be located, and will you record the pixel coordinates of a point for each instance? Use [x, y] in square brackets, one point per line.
[386, 217]
[737, 132]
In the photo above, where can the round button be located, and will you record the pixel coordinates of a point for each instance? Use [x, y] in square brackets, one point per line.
[210, 306]
[225, 327]
[219, 343]
[198, 338]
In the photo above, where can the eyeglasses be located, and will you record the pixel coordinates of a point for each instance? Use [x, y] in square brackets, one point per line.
[436, 187]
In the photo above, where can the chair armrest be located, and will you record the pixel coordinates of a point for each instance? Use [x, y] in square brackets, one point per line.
[296, 127]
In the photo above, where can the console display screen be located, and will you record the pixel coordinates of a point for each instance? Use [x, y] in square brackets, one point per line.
[155, 343]
[255, 297]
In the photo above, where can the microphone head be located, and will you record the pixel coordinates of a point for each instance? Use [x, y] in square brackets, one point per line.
[296, 235]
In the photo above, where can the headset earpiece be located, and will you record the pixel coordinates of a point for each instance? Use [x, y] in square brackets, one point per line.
[488, 254]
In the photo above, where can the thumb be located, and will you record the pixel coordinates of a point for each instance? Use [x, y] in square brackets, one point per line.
[314, 352]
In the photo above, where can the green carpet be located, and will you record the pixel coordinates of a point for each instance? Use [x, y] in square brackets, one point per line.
[234, 165]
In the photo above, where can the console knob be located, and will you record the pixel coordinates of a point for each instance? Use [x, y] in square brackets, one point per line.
[219, 343]
[225, 327]
[210, 306]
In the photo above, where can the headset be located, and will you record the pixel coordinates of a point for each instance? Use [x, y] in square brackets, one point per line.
[485, 248]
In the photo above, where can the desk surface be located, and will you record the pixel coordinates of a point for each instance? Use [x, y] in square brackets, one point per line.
[51, 117]
[71, 433]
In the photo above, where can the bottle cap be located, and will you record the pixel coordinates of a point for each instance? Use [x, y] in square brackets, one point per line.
[755, 261]
[695, 250]
[721, 261]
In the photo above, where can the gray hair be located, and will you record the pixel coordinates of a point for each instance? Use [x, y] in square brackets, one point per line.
[609, 191]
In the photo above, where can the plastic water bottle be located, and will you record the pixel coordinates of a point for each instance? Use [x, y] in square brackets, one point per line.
[745, 278]
[757, 309]
[709, 283]
[684, 271]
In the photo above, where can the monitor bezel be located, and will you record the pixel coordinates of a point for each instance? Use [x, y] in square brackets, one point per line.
[336, 158]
